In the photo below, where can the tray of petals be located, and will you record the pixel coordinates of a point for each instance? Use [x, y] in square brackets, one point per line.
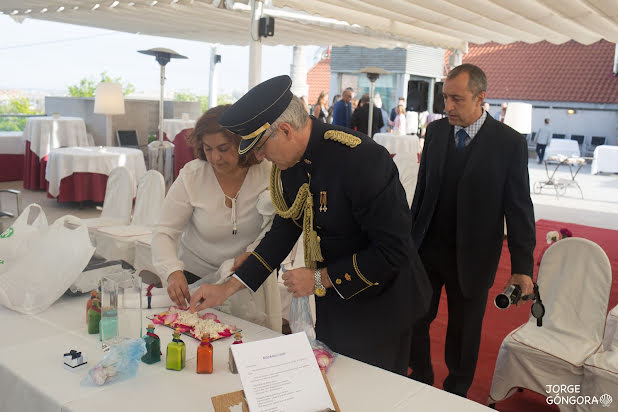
[194, 325]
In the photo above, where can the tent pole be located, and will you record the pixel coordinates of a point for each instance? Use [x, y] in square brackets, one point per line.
[212, 83]
[255, 44]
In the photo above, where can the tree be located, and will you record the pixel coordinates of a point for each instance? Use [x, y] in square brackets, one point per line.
[187, 96]
[15, 105]
[87, 86]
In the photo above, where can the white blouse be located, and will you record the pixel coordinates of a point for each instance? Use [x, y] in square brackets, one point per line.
[195, 215]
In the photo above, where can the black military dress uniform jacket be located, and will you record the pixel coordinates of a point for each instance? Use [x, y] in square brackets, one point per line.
[364, 224]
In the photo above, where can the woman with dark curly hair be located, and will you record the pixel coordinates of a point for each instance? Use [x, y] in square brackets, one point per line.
[218, 208]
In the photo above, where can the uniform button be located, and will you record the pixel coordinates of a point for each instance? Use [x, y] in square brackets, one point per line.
[338, 281]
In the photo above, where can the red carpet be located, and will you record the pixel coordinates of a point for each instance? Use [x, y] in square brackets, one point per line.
[497, 324]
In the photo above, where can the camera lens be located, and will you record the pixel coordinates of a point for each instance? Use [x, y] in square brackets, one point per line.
[502, 301]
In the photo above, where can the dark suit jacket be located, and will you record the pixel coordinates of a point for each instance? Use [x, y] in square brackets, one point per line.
[360, 119]
[494, 185]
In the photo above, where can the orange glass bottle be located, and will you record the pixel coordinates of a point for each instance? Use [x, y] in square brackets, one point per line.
[204, 356]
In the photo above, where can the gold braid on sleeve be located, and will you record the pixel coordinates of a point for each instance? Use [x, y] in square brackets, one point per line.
[302, 203]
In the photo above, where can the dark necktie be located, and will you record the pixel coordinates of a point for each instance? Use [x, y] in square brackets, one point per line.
[461, 139]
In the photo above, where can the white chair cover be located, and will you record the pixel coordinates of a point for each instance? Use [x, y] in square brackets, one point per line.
[117, 203]
[407, 164]
[574, 282]
[118, 242]
[143, 261]
[601, 369]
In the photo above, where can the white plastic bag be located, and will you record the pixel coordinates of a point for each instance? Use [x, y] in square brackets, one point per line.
[44, 267]
[13, 240]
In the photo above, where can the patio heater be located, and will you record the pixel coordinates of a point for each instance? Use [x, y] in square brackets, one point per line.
[160, 153]
[373, 73]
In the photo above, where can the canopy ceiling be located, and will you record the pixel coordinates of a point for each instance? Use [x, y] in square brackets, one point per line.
[369, 23]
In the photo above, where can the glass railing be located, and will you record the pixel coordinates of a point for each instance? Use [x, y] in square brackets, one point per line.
[15, 122]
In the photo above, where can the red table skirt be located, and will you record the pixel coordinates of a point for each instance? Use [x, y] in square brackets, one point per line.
[80, 187]
[11, 167]
[34, 170]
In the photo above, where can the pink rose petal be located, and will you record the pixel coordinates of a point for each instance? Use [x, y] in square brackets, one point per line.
[171, 318]
[210, 316]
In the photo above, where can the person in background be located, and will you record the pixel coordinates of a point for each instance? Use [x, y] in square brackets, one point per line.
[360, 118]
[399, 127]
[218, 207]
[459, 232]
[305, 103]
[342, 110]
[486, 107]
[391, 119]
[543, 137]
[332, 106]
[502, 113]
[377, 101]
[320, 109]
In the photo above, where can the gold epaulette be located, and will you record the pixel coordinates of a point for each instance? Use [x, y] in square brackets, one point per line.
[342, 137]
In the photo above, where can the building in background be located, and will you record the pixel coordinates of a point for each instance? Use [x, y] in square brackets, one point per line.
[416, 73]
[573, 84]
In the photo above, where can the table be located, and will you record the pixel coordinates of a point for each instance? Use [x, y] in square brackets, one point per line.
[171, 127]
[568, 148]
[32, 377]
[12, 148]
[605, 160]
[43, 134]
[396, 144]
[560, 185]
[76, 174]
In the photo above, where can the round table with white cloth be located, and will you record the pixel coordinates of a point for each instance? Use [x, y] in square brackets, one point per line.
[171, 127]
[396, 144]
[605, 159]
[567, 148]
[65, 161]
[47, 133]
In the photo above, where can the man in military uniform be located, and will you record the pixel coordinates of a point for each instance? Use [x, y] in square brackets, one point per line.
[341, 191]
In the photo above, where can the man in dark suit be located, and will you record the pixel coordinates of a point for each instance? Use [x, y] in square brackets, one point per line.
[360, 118]
[360, 263]
[342, 111]
[473, 174]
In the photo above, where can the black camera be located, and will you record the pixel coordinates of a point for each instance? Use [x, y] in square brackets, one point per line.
[508, 298]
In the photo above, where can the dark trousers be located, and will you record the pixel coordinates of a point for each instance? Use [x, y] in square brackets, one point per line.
[463, 334]
[540, 151]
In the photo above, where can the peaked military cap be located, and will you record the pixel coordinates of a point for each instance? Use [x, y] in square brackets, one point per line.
[256, 111]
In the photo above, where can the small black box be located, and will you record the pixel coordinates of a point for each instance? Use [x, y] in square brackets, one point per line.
[266, 27]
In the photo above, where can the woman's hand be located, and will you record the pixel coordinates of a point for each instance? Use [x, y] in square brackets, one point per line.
[207, 296]
[178, 288]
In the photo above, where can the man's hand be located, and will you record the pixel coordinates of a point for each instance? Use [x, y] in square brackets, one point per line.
[178, 288]
[240, 260]
[208, 296]
[524, 281]
[301, 281]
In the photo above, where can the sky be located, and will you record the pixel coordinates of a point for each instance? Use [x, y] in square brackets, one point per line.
[45, 55]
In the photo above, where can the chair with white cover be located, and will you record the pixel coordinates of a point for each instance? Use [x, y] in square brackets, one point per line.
[408, 166]
[601, 369]
[116, 205]
[118, 242]
[574, 281]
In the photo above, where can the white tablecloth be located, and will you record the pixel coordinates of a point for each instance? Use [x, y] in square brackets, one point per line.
[65, 161]
[171, 127]
[605, 159]
[46, 133]
[32, 376]
[568, 148]
[396, 144]
[12, 143]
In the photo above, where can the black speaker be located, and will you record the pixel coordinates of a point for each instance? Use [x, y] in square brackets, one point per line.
[438, 98]
[417, 96]
[266, 27]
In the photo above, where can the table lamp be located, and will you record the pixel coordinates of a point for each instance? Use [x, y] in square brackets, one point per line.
[519, 117]
[373, 73]
[108, 100]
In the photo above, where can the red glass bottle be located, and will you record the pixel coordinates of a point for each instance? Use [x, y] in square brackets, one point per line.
[204, 356]
[93, 295]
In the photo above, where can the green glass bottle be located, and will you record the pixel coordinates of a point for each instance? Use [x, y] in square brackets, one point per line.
[109, 324]
[94, 317]
[153, 346]
[176, 353]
